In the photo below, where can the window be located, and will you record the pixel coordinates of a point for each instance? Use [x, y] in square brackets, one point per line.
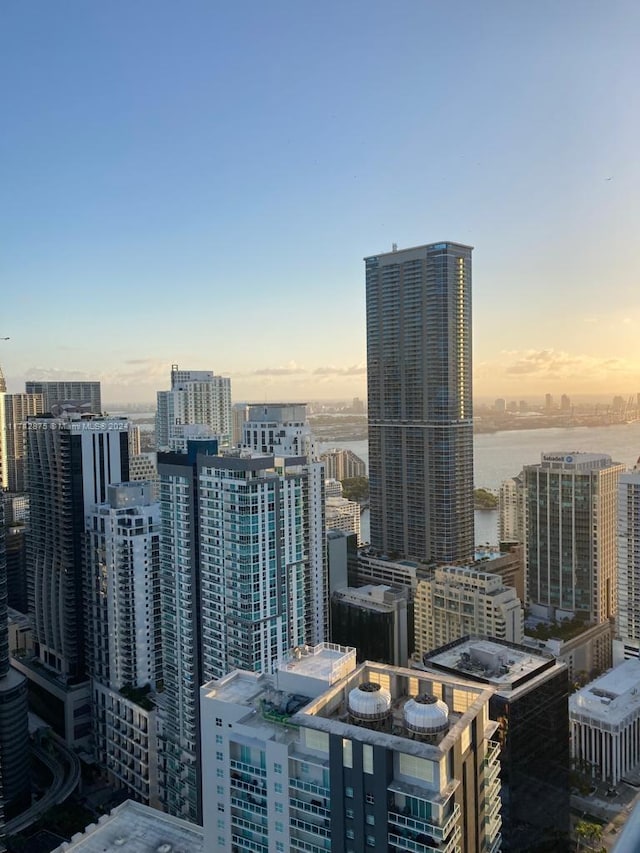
[350, 833]
[221, 823]
[348, 813]
[371, 820]
[280, 846]
[278, 826]
[371, 842]
[277, 768]
[347, 753]
[220, 790]
[218, 738]
[370, 798]
[219, 756]
[279, 807]
[348, 791]
[220, 773]
[367, 758]
[218, 721]
[278, 788]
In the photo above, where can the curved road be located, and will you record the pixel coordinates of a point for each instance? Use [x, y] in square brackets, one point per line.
[65, 769]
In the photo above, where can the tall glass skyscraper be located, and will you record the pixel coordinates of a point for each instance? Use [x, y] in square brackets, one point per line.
[419, 375]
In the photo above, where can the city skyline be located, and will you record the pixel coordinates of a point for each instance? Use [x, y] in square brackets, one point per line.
[249, 165]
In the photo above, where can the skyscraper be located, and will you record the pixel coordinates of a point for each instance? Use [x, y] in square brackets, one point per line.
[14, 411]
[571, 517]
[69, 464]
[627, 644]
[67, 395]
[196, 398]
[237, 552]
[420, 402]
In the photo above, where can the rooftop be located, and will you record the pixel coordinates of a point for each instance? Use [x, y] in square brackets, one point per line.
[612, 697]
[134, 828]
[507, 666]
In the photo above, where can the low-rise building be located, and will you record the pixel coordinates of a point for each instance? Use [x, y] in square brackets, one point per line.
[605, 723]
[342, 514]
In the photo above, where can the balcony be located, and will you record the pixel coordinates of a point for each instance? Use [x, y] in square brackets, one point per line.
[399, 842]
[309, 787]
[423, 826]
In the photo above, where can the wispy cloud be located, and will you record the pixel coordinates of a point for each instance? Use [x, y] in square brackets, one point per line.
[557, 364]
[331, 370]
[287, 370]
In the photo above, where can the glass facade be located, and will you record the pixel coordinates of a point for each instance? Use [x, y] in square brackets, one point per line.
[420, 402]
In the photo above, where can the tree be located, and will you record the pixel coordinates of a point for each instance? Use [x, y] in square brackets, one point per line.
[589, 836]
[484, 499]
[355, 488]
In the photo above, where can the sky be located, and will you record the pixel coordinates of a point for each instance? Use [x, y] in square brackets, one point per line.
[197, 182]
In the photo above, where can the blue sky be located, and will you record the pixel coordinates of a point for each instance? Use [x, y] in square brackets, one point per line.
[198, 183]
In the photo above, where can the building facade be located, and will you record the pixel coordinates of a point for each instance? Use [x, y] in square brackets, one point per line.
[124, 643]
[572, 501]
[342, 514]
[15, 409]
[326, 755]
[374, 620]
[196, 397]
[343, 464]
[67, 396]
[419, 375]
[237, 584]
[530, 705]
[628, 613]
[605, 723]
[455, 601]
[511, 510]
[69, 465]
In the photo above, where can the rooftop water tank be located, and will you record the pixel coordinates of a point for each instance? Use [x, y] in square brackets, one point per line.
[369, 702]
[426, 715]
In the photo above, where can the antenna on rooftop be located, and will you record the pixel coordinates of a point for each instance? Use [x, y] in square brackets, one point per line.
[394, 247]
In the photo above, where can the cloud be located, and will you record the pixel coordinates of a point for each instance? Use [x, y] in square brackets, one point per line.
[288, 370]
[330, 370]
[57, 374]
[557, 364]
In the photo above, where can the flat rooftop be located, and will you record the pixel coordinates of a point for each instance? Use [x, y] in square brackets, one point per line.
[134, 828]
[504, 665]
[612, 697]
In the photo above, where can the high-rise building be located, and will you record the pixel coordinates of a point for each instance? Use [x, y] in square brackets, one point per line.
[627, 643]
[455, 601]
[14, 411]
[70, 462]
[571, 506]
[124, 646]
[511, 510]
[419, 375]
[67, 396]
[530, 705]
[342, 464]
[196, 398]
[326, 755]
[237, 583]
[15, 773]
[282, 429]
[239, 414]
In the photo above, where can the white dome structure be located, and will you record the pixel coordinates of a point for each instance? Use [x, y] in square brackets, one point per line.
[426, 715]
[369, 702]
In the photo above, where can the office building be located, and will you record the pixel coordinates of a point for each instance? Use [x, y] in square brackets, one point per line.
[419, 375]
[343, 464]
[282, 429]
[605, 723]
[67, 396]
[627, 642]
[15, 769]
[374, 620]
[508, 562]
[124, 644]
[196, 397]
[455, 601]
[325, 755]
[530, 704]
[571, 536]
[143, 468]
[236, 580]
[15, 409]
[342, 514]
